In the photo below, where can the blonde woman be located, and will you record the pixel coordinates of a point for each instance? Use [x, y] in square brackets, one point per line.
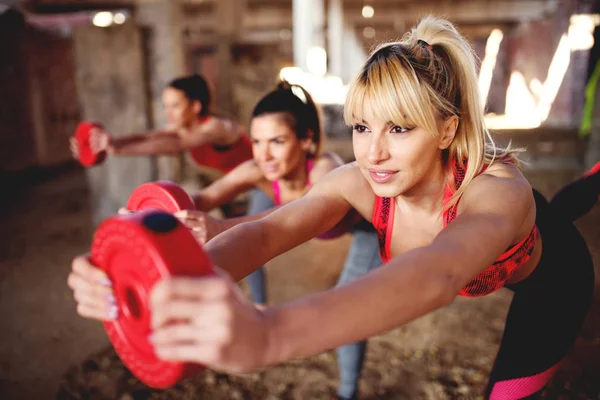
[454, 215]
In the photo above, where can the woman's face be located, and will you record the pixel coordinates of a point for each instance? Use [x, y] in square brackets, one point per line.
[395, 160]
[179, 110]
[276, 148]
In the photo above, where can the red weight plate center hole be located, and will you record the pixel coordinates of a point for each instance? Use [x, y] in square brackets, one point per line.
[133, 305]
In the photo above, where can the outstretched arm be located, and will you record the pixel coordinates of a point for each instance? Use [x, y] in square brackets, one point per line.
[242, 178]
[154, 143]
[285, 228]
[168, 142]
[412, 284]
[236, 337]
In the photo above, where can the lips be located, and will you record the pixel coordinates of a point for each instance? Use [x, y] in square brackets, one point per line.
[270, 168]
[382, 176]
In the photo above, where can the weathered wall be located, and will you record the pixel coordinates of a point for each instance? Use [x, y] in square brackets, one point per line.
[54, 104]
[17, 144]
[38, 101]
[112, 90]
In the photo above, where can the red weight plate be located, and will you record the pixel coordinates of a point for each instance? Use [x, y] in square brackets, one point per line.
[136, 251]
[162, 195]
[87, 157]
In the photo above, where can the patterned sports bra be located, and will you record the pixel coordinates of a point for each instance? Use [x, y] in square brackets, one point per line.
[490, 280]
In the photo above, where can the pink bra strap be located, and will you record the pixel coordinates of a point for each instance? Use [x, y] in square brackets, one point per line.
[277, 191]
[309, 165]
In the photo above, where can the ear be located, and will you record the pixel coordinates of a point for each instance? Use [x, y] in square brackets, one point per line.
[449, 128]
[307, 142]
[196, 107]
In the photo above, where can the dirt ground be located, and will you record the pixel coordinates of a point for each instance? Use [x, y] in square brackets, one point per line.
[47, 352]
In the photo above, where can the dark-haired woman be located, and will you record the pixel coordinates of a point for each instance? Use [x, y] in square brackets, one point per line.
[211, 142]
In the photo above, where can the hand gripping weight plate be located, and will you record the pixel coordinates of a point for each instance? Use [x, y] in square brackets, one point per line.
[137, 250]
[87, 157]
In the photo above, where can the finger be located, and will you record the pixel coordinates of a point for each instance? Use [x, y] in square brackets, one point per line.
[104, 311]
[181, 333]
[124, 211]
[200, 237]
[199, 230]
[84, 267]
[191, 214]
[222, 274]
[95, 313]
[174, 334]
[173, 310]
[202, 313]
[74, 147]
[182, 214]
[95, 299]
[92, 295]
[206, 354]
[192, 223]
[208, 287]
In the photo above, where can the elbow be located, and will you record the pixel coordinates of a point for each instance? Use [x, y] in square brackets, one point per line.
[445, 284]
[441, 290]
[448, 290]
[200, 202]
[452, 281]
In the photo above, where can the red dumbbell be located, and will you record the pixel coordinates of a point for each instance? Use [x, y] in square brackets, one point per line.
[87, 157]
[161, 195]
[135, 251]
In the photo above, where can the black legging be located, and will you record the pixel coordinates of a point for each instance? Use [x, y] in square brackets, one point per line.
[577, 198]
[547, 311]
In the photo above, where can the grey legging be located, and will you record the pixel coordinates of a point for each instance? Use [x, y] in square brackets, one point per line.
[363, 256]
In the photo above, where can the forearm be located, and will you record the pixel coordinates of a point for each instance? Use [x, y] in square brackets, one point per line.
[242, 249]
[146, 145]
[204, 202]
[403, 290]
[231, 222]
[245, 247]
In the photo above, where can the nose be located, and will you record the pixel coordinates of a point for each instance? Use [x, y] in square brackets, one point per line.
[378, 149]
[262, 151]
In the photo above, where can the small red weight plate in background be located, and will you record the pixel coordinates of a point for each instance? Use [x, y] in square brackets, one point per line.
[87, 157]
[136, 251]
[162, 195]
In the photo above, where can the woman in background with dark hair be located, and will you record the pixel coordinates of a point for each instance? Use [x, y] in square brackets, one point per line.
[212, 142]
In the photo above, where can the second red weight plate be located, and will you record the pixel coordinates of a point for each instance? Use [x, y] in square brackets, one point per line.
[161, 195]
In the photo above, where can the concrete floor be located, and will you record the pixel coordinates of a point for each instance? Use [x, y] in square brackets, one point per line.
[44, 224]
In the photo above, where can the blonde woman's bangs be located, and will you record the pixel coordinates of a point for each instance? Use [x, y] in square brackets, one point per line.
[397, 100]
